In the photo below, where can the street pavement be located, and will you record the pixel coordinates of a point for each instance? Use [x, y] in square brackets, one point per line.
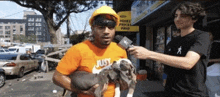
[41, 85]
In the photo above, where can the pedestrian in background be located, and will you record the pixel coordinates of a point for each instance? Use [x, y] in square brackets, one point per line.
[92, 55]
[186, 56]
[213, 70]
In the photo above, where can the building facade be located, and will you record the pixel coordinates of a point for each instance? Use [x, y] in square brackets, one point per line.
[36, 25]
[9, 28]
[31, 25]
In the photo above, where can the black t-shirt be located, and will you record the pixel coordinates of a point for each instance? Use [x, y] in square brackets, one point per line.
[188, 82]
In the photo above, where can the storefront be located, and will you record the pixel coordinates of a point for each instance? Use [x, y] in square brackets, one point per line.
[160, 29]
[131, 32]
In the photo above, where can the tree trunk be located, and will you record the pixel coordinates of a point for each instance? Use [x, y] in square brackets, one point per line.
[53, 37]
[52, 31]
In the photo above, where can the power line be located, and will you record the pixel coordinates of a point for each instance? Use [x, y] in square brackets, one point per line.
[76, 18]
[72, 23]
[13, 14]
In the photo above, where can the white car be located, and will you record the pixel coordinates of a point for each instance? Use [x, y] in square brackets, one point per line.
[17, 64]
[4, 50]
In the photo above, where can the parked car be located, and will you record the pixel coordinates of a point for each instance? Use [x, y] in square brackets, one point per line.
[17, 64]
[39, 55]
[2, 77]
[17, 49]
[4, 50]
[41, 51]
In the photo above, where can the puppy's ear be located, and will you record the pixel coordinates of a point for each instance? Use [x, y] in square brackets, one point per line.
[112, 75]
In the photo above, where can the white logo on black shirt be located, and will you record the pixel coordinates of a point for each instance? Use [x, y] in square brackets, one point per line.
[179, 50]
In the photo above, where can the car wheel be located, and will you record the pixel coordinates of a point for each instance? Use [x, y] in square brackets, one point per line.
[2, 80]
[21, 72]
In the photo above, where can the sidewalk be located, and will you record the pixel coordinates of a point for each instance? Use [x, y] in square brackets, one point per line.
[41, 85]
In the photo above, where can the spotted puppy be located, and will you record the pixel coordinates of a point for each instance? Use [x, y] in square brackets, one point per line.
[120, 71]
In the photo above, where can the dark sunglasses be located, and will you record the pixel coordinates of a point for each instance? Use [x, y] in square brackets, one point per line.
[105, 23]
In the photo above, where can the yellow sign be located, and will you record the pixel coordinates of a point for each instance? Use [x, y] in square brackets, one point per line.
[125, 23]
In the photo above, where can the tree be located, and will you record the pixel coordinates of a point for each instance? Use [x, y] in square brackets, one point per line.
[76, 38]
[55, 12]
[24, 39]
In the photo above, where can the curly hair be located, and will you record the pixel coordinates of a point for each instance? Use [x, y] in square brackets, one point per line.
[195, 10]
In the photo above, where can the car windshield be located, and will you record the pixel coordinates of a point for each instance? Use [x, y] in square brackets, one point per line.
[12, 49]
[40, 52]
[8, 57]
[6, 50]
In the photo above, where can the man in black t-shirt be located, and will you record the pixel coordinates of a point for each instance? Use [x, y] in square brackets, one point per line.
[188, 82]
[186, 57]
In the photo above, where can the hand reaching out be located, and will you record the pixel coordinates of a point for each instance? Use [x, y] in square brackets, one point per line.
[139, 52]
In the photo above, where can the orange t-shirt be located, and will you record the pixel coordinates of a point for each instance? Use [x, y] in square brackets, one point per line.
[87, 57]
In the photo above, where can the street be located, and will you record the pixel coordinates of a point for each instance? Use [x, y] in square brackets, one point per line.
[35, 84]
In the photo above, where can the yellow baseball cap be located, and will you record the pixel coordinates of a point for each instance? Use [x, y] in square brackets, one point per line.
[104, 10]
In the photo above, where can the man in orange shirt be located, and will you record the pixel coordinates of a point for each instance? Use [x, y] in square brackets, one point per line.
[92, 55]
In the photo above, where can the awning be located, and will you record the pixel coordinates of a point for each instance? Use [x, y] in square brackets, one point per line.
[154, 13]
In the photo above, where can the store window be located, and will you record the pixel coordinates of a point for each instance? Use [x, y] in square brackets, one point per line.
[168, 34]
[160, 40]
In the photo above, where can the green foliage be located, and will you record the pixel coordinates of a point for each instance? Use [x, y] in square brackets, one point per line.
[76, 38]
[25, 39]
[55, 12]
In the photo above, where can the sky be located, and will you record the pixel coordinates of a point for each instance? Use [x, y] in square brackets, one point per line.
[11, 10]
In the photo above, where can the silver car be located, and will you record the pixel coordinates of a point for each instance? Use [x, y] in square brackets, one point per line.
[2, 77]
[17, 64]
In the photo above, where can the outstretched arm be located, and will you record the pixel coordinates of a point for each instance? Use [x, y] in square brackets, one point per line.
[186, 62]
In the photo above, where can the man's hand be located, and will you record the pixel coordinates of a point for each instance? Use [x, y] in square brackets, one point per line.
[139, 52]
[91, 90]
